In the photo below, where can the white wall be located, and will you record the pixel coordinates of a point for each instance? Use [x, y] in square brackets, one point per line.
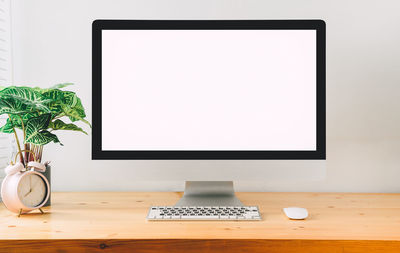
[52, 43]
[5, 77]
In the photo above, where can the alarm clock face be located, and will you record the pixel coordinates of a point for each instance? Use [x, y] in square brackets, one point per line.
[32, 190]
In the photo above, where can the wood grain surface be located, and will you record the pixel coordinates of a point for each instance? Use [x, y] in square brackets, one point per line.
[107, 221]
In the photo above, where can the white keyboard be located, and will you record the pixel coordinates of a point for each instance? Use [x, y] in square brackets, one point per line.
[204, 213]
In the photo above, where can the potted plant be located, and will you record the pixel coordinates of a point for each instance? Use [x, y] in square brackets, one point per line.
[34, 114]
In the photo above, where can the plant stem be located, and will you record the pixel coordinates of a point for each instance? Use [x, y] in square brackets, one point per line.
[27, 154]
[33, 149]
[16, 139]
[23, 126]
[40, 153]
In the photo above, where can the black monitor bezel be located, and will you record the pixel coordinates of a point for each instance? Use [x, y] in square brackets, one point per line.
[99, 25]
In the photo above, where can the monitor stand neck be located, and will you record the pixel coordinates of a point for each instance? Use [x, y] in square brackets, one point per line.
[209, 193]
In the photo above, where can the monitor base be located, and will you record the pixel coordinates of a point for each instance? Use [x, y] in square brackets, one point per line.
[209, 193]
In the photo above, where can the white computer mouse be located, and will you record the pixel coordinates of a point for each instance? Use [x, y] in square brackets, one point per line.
[296, 213]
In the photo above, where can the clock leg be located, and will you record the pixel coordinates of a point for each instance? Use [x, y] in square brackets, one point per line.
[20, 212]
[40, 209]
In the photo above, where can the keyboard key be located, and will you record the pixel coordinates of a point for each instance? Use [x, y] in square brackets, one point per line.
[203, 213]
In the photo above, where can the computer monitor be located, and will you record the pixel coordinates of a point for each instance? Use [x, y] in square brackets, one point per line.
[209, 89]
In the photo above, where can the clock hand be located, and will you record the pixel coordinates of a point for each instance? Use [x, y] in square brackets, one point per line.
[28, 193]
[30, 187]
[34, 186]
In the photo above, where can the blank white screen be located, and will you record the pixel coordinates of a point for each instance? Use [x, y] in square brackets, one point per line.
[208, 90]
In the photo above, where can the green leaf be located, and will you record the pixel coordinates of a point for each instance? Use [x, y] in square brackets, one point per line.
[7, 128]
[57, 100]
[60, 85]
[25, 97]
[34, 108]
[37, 123]
[54, 94]
[18, 119]
[73, 107]
[70, 98]
[61, 125]
[56, 86]
[79, 108]
[66, 103]
[43, 137]
[12, 106]
[36, 130]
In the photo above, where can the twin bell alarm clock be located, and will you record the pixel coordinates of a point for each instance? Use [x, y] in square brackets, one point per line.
[24, 188]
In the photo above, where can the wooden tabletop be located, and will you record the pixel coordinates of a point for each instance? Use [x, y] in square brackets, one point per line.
[121, 216]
